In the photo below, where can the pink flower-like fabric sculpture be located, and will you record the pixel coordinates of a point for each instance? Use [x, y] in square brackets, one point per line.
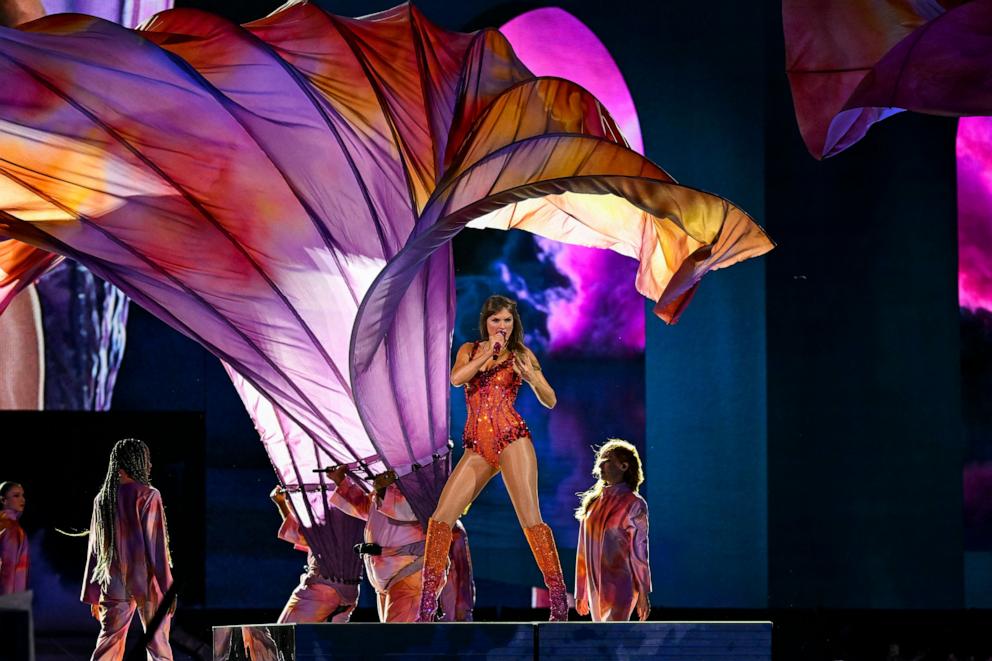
[285, 193]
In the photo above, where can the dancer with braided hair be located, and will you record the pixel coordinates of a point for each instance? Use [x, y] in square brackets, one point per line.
[128, 566]
[612, 573]
[495, 439]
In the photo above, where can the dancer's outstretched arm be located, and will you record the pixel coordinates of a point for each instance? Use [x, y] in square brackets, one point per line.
[348, 496]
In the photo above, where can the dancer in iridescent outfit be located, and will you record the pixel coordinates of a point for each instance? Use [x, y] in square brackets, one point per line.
[317, 597]
[394, 550]
[612, 573]
[496, 439]
[128, 566]
[14, 561]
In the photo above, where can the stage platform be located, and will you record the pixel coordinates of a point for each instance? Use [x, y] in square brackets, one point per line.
[669, 641]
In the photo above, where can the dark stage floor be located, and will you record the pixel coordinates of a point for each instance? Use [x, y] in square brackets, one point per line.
[797, 635]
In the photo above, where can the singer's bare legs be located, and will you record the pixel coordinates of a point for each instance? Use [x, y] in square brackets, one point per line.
[463, 486]
[519, 464]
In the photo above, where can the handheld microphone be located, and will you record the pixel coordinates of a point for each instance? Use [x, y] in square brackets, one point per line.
[496, 345]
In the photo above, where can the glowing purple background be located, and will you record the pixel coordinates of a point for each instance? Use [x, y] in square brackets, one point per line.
[129, 13]
[974, 170]
[601, 313]
[974, 156]
[552, 42]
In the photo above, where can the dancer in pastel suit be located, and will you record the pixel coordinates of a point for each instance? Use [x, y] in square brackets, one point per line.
[128, 566]
[612, 572]
[496, 439]
[394, 550]
[14, 560]
[317, 597]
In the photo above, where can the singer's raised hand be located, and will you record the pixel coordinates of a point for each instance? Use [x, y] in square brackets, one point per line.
[525, 368]
[470, 359]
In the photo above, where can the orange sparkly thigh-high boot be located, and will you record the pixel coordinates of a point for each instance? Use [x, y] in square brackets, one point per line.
[542, 543]
[435, 564]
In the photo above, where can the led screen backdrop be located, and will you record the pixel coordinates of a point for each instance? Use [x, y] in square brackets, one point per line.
[974, 157]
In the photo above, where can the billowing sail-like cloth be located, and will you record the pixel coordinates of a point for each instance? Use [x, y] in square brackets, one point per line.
[285, 193]
[856, 62]
[82, 320]
[129, 13]
[330, 533]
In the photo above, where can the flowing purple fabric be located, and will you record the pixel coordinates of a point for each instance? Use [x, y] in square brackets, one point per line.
[84, 319]
[856, 62]
[285, 193]
[330, 533]
[129, 13]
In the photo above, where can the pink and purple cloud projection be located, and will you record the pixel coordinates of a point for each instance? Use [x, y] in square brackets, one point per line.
[600, 314]
[974, 157]
[552, 42]
[974, 170]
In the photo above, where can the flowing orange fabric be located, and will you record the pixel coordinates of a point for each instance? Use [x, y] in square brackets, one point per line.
[285, 193]
[856, 62]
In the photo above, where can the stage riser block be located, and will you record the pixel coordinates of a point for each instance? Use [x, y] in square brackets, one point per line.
[668, 641]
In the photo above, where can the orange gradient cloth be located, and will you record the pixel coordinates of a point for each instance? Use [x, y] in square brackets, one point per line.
[285, 193]
[852, 63]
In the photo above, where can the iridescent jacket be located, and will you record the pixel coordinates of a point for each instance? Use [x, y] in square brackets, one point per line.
[142, 566]
[611, 565]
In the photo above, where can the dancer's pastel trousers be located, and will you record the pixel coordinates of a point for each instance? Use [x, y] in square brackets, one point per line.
[115, 619]
[315, 603]
[401, 600]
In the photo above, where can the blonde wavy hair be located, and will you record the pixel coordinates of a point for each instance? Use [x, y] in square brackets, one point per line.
[633, 476]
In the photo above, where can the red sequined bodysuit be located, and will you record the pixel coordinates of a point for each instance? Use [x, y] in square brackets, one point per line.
[492, 422]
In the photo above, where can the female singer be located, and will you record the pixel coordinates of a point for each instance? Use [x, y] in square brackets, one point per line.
[495, 439]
